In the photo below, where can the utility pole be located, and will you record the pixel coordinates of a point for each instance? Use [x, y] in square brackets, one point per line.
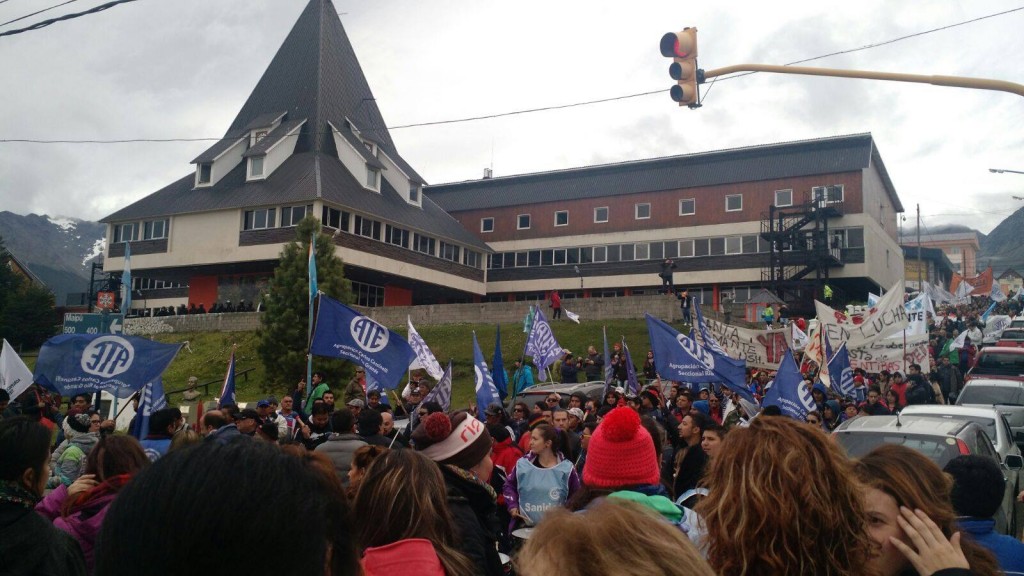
[920, 283]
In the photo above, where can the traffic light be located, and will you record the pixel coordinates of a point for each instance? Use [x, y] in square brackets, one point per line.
[681, 47]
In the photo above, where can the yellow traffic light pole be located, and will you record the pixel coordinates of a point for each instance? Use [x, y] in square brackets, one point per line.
[957, 81]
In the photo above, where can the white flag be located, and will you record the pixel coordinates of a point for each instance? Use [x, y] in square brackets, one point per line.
[572, 316]
[963, 292]
[424, 357]
[960, 340]
[15, 377]
[800, 339]
[997, 293]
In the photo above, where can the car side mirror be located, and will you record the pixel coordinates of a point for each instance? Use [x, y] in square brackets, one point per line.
[1013, 462]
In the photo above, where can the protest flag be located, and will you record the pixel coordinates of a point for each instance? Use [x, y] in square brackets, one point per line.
[151, 399]
[632, 384]
[572, 316]
[313, 289]
[609, 373]
[227, 391]
[15, 377]
[85, 363]
[841, 373]
[789, 392]
[486, 393]
[541, 344]
[498, 373]
[424, 356]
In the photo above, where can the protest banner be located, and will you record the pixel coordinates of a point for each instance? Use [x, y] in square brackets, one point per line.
[891, 354]
[760, 348]
[886, 318]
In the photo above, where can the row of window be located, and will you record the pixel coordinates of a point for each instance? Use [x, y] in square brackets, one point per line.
[151, 230]
[151, 284]
[369, 228]
[368, 295]
[687, 207]
[691, 248]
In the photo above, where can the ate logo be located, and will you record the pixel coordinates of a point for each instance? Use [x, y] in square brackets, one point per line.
[697, 352]
[107, 356]
[369, 335]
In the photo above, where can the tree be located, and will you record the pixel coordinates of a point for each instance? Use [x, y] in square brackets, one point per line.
[27, 310]
[283, 336]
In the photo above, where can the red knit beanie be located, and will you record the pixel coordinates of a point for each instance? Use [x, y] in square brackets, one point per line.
[621, 453]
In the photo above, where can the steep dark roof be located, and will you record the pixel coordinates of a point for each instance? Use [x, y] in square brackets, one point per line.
[315, 77]
[765, 162]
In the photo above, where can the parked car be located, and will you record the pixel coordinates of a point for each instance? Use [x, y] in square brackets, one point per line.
[1017, 322]
[940, 439]
[538, 392]
[1006, 396]
[1011, 338]
[998, 362]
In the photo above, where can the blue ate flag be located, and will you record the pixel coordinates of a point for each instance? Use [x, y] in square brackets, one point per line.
[840, 372]
[541, 344]
[632, 384]
[341, 332]
[609, 372]
[83, 363]
[789, 392]
[680, 358]
[499, 376]
[151, 400]
[227, 391]
[486, 393]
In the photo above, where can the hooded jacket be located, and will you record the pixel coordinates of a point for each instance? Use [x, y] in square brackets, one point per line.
[473, 505]
[71, 462]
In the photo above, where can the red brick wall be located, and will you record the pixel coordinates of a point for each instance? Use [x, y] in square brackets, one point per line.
[710, 208]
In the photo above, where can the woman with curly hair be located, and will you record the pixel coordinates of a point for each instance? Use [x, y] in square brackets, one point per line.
[787, 480]
[405, 523]
[911, 518]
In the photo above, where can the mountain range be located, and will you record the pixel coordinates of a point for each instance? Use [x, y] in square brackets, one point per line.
[58, 250]
[61, 250]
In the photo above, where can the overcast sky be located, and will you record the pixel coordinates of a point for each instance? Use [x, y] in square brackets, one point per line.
[183, 68]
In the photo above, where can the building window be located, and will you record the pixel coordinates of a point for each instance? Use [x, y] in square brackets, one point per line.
[449, 252]
[260, 219]
[154, 229]
[559, 256]
[642, 251]
[414, 194]
[205, 173]
[686, 248]
[521, 260]
[256, 166]
[687, 206]
[292, 215]
[734, 245]
[784, 198]
[368, 295]
[734, 203]
[562, 218]
[334, 218]
[717, 246]
[657, 251]
[600, 215]
[487, 224]
[626, 252]
[424, 244]
[367, 227]
[829, 194]
[126, 232]
[397, 236]
[471, 259]
[259, 135]
[642, 211]
[372, 178]
[702, 247]
[523, 222]
[955, 250]
[600, 253]
[547, 257]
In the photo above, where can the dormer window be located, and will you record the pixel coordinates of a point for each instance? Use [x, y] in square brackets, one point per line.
[256, 167]
[204, 173]
[259, 135]
[370, 147]
[414, 194]
[372, 178]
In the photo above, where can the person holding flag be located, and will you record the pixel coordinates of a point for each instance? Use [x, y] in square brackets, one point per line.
[486, 392]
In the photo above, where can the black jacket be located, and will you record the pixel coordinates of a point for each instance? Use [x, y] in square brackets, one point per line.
[30, 544]
[475, 514]
[690, 469]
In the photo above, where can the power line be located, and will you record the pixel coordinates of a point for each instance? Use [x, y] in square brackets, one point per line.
[37, 12]
[46, 23]
[474, 118]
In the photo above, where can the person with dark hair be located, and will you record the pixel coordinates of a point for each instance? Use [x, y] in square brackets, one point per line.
[771, 410]
[320, 426]
[543, 479]
[690, 459]
[361, 460]
[875, 407]
[977, 494]
[368, 425]
[424, 541]
[342, 444]
[162, 425]
[461, 446]
[217, 429]
[84, 433]
[267, 432]
[29, 544]
[151, 527]
[79, 509]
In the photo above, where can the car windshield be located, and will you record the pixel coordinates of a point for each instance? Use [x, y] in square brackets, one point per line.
[1012, 335]
[1000, 363]
[939, 449]
[1008, 395]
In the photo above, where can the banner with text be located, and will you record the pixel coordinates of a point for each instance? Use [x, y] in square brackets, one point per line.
[760, 348]
[886, 318]
[891, 354]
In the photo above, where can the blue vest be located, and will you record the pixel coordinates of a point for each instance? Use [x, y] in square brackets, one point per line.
[541, 489]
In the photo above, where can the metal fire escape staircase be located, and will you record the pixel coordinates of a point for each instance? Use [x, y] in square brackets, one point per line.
[801, 251]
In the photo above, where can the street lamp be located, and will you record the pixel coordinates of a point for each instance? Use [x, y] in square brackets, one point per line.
[1003, 171]
[580, 274]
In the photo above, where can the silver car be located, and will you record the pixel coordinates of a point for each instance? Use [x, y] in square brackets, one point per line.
[1005, 395]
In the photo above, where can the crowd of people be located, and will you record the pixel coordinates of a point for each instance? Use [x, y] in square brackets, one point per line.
[670, 478]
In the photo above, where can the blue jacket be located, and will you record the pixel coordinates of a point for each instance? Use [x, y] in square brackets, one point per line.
[1008, 550]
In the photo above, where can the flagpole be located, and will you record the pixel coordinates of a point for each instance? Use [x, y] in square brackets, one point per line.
[312, 299]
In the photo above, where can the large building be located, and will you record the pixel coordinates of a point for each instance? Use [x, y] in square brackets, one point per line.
[960, 247]
[309, 140]
[778, 215]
